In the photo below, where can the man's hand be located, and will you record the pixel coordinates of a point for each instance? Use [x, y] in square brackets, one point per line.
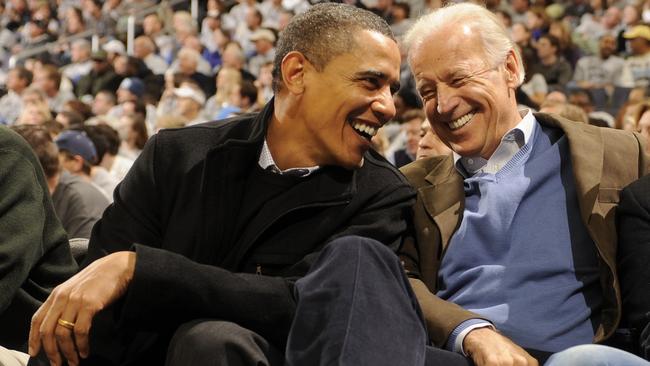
[62, 324]
[486, 347]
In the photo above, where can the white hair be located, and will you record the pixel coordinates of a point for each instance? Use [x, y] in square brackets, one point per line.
[496, 41]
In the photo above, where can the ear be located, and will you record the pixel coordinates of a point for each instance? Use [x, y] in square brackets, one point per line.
[293, 72]
[78, 163]
[512, 70]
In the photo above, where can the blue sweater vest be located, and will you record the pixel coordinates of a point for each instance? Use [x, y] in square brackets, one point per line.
[522, 257]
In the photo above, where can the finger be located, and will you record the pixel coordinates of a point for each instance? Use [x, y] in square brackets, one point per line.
[49, 346]
[65, 335]
[65, 342]
[82, 331]
[35, 330]
[48, 326]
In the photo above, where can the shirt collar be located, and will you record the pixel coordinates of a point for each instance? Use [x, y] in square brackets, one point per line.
[510, 144]
[266, 162]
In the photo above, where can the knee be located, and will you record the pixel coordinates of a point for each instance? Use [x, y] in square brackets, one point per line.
[204, 339]
[590, 355]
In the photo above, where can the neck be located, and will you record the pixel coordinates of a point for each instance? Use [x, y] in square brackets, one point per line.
[549, 60]
[286, 136]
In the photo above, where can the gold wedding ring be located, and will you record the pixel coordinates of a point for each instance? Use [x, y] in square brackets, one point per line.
[65, 324]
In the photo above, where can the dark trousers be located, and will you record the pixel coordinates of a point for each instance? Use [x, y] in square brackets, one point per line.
[354, 307]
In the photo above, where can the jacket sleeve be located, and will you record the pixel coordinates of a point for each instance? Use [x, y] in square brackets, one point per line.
[634, 259]
[168, 289]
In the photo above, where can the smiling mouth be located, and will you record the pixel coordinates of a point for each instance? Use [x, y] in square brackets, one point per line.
[364, 130]
[461, 121]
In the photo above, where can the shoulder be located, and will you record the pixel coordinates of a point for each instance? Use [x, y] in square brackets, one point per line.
[14, 149]
[198, 139]
[379, 171]
[417, 171]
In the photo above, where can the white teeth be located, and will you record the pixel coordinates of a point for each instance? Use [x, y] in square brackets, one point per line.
[367, 129]
[461, 121]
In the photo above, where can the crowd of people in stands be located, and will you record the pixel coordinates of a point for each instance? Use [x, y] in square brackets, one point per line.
[87, 94]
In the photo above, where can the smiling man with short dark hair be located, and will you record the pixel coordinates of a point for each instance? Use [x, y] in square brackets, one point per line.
[213, 225]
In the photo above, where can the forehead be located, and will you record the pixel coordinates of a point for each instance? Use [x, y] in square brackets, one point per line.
[443, 54]
[371, 51]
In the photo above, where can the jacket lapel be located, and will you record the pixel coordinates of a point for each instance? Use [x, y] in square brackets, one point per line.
[586, 151]
[443, 198]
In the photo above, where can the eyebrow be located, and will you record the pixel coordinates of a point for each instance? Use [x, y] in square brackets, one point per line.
[394, 86]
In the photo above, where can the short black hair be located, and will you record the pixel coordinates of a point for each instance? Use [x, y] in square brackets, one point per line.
[323, 32]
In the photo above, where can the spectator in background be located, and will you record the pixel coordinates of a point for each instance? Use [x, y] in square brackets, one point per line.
[188, 61]
[189, 104]
[264, 84]
[101, 77]
[271, 11]
[11, 104]
[400, 13]
[133, 133]
[518, 10]
[48, 79]
[34, 114]
[74, 22]
[228, 79]
[202, 66]
[99, 175]
[551, 65]
[603, 71]
[264, 41]
[411, 128]
[33, 245]
[562, 31]
[244, 31]
[430, 144]
[152, 27]
[103, 102]
[233, 56]
[145, 49]
[238, 14]
[78, 203]
[70, 119]
[637, 66]
[81, 62]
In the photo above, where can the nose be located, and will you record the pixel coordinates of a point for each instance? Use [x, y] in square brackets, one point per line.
[384, 106]
[447, 99]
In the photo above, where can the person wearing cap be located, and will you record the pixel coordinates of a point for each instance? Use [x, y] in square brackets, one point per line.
[636, 72]
[78, 202]
[203, 258]
[102, 76]
[189, 104]
[264, 41]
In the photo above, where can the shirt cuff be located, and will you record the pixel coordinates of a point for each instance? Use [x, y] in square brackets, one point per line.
[455, 342]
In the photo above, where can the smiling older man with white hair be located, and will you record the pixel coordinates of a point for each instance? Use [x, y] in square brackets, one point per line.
[513, 258]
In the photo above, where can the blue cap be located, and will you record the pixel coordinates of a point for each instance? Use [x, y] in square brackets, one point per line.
[77, 143]
[134, 85]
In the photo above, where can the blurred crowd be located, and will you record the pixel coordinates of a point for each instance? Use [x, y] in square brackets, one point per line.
[88, 92]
